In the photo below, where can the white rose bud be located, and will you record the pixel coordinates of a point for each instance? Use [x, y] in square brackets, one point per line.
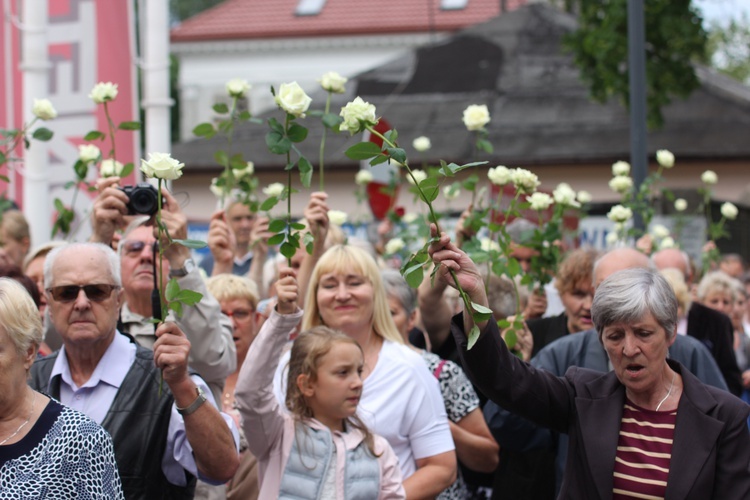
[524, 180]
[620, 214]
[565, 195]
[450, 193]
[680, 204]
[488, 245]
[540, 201]
[409, 217]
[274, 189]
[363, 177]
[215, 189]
[237, 87]
[620, 168]
[499, 175]
[292, 99]
[416, 175]
[665, 158]
[394, 245]
[476, 116]
[88, 153]
[729, 211]
[611, 238]
[357, 114]
[584, 197]
[337, 217]
[103, 92]
[110, 168]
[43, 109]
[162, 166]
[709, 177]
[422, 144]
[660, 231]
[333, 82]
[621, 184]
[241, 173]
[667, 242]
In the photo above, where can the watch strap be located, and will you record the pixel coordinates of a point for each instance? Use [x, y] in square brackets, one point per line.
[194, 405]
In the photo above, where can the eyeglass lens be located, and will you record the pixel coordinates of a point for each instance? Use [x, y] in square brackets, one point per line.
[69, 293]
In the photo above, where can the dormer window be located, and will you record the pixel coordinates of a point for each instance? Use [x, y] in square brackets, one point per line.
[309, 7]
[453, 4]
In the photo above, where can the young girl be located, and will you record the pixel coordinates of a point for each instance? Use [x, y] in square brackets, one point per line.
[321, 450]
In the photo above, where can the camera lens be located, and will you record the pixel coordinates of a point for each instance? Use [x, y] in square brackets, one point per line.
[143, 200]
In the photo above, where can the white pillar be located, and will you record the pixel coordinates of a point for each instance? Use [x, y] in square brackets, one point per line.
[156, 101]
[35, 66]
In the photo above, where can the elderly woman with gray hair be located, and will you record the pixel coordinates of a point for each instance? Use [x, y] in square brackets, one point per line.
[647, 429]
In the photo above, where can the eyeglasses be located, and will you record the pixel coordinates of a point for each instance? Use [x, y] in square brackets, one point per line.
[69, 293]
[239, 314]
[134, 248]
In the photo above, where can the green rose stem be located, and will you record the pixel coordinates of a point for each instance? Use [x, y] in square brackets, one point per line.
[289, 190]
[111, 126]
[323, 140]
[433, 216]
[158, 296]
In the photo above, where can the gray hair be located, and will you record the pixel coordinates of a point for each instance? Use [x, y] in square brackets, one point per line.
[19, 315]
[110, 256]
[396, 286]
[628, 295]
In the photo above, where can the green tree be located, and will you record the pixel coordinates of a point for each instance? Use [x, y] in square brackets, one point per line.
[674, 39]
[728, 48]
[182, 9]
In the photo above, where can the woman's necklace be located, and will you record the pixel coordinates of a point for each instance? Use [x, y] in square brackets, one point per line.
[674, 374]
[33, 400]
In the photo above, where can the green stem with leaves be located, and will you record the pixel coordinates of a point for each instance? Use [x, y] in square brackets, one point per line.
[111, 125]
[288, 192]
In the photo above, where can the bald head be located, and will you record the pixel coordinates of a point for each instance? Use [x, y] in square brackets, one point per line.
[672, 258]
[617, 260]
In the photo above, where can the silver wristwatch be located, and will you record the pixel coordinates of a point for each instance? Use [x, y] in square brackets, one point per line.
[194, 405]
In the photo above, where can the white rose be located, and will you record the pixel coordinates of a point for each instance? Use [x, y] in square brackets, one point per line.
[215, 189]
[499, 175]
[356, 115]
[363, 177]
[680, 204]
[620, 168]
[88, 153]
[667, 242]
[621, 184]
[709, 177]
[409, 217]
[611, 238]
[565, 195]
[665, 158]
[659, 231]
[103, 92]
[729, 211]
[476, 116]
[110, 168]
[237, 87]
[422, 144]
[333, 82]
[540, 201]
[416, 175]
[584, 196]
[43, 109]
[162, 166]
[292, 99]
[394, 245]
[241, 173]
[620, 214]
[524, 180]
[274, 189]
[337, 217]
[450, 193]
[488, 245]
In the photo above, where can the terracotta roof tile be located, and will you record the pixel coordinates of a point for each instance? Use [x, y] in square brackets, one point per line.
[251, 19]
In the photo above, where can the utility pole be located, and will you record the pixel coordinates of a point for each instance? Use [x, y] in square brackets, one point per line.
[637, 81]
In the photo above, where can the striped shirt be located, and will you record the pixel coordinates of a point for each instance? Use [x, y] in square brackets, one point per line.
[644, 450]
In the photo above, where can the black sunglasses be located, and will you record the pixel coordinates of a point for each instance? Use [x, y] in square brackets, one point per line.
[69, 293]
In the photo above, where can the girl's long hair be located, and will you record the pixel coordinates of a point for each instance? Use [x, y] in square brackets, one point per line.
[308, 350]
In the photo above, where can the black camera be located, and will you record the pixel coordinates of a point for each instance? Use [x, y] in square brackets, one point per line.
[142, 198]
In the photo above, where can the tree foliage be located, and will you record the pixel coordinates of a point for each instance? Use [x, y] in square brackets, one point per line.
[674, 39]
[728, 48]
[182, 9]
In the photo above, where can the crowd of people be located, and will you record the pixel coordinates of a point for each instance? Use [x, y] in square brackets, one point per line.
[326, 376]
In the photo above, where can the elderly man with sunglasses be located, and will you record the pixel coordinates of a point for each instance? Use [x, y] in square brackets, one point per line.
[213, 354]
[165, 432]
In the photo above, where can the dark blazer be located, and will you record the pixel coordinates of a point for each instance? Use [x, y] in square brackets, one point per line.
[714, 329]
[711, 450]
[547, 330]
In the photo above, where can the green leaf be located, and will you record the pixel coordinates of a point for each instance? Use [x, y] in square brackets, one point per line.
[93, 135]
[277, 143]
[221, 108]
[484, 145]
[363, 151]
[129, 126]
[58, 205]
[397, 154]
[429, 189]
[277, 225]
[196, 244]
[176, 307]
[287, 250]
[391, 136]
[276, 126]
[42, 134]
[414, 274]
[221, 158]
[378, 160]
[127, 169]
[4, 178]
[296, 132]
[276, 239]
[472, 337]
[480, 313]
[173, 288]
[511, 339]
[188, 297]
[81, 169]
[297, 226]
[237, 162]
[305, 171]
[331, 121]
[307, 240]
[206, 130]
[270, 202]
[514, 268]
[247, 116]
